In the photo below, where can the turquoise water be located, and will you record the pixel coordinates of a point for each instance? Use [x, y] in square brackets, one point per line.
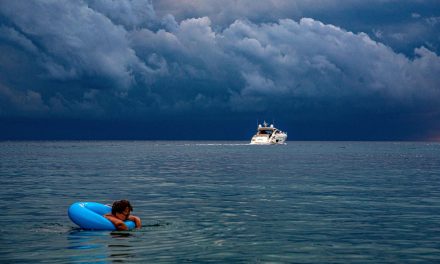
[304, 202]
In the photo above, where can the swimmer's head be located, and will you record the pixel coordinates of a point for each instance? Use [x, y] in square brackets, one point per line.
[121, 209]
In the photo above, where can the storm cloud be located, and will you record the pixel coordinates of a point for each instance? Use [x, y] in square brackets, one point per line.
[212, 64]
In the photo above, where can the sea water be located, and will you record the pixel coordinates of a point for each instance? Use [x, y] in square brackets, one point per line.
[304, 202]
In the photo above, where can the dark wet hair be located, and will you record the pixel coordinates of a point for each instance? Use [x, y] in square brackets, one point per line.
[119, 206]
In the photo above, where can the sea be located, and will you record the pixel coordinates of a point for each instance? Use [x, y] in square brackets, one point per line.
[223, 202]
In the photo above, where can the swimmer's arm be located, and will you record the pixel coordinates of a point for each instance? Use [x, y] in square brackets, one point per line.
[136, 220]
[116, 222]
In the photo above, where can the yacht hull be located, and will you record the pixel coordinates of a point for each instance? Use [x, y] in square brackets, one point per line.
[278, 139]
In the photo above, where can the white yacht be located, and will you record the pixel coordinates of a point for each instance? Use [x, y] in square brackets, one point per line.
[267, 135]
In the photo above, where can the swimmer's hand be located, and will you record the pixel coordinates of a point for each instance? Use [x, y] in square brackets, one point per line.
[119, 224]
[136, 220]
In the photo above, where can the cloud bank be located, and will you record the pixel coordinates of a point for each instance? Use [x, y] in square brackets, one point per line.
[106, 59]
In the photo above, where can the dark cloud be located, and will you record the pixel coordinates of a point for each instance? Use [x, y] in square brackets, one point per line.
[213, 63]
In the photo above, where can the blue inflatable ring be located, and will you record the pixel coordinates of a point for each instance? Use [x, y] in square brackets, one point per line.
[89, 215]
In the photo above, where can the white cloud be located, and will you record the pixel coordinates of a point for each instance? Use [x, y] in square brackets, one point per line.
[308, 55]
[433, 21]
[129, 13]
[416, 15]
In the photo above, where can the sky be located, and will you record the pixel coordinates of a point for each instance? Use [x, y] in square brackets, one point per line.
[210, 70]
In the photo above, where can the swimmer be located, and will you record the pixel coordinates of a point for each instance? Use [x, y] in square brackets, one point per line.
[121, 212]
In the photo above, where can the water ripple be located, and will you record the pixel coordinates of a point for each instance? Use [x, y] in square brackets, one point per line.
[304, 202]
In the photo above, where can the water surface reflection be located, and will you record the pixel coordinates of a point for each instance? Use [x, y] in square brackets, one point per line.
[100, 246]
